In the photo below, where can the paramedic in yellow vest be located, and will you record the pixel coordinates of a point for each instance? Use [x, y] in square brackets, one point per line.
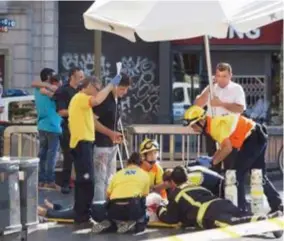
[82, 129]
[126, 194]
[149, 149]
[247, 137]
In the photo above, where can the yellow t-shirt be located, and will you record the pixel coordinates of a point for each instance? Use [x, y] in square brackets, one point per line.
[81, 119]
[129, 182]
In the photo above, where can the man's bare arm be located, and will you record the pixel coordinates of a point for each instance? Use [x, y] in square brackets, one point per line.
[225, 149]
[101, 96]
[233, 107]
[101, 128]
[201, 100]
[115, 136]
[47, 92]
[40, 84]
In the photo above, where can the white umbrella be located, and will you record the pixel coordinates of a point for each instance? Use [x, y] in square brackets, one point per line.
[170, 20]
[156, 20]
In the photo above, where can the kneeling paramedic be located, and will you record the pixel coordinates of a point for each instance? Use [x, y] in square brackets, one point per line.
[149, 150]
[198, 207]
[126, 193]
[240, 136]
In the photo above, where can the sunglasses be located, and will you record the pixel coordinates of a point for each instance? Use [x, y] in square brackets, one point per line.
[149, 145]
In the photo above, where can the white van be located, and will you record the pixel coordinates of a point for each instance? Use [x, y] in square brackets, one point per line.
[182, 98]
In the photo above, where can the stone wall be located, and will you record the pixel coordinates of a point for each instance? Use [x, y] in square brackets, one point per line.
[32, 44]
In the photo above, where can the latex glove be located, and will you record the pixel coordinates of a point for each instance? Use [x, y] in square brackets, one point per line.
[116, 80]
[205, 161]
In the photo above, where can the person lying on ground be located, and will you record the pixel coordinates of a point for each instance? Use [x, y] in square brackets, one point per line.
[126, 193]
[196, 206]
[149, 150]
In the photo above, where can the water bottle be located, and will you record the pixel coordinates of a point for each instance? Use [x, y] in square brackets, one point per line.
[231, 192]
[256, 191]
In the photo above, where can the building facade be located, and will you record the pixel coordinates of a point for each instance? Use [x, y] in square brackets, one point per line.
[167, 75]
[31, 44]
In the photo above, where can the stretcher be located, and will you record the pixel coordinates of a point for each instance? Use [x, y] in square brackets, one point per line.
[150, 224]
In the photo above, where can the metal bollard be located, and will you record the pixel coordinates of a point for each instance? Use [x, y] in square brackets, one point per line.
[10, 197]
[231, 191]
[28, 193]
[256, 191]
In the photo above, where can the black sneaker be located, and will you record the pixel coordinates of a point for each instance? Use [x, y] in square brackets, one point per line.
[65, 190]
[140, 228]
[275, 214]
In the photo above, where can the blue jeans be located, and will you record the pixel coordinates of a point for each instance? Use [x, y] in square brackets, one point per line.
[48, 147]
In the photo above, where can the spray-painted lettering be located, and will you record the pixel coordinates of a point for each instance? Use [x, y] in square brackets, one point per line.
[144, 92]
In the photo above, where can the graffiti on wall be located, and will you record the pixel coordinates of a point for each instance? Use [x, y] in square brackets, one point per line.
[143, 95]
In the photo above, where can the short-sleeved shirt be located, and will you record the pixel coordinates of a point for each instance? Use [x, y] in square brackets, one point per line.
[156, 177]
[47, 117]
[129, 182]
[62, 97]
[108, 114]
[81, 119]
[234, 127]
[232, 93]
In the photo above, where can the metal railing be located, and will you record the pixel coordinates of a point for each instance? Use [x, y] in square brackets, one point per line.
[177, 144]
[21, 141]
[183, 144]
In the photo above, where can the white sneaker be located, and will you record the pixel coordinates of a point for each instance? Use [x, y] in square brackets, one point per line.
[123, 227]
[99, 227]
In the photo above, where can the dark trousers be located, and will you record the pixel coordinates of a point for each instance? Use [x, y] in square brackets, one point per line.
[128, 209]
[222, 213]
[68, 158]
[252, 156]
[84, 184]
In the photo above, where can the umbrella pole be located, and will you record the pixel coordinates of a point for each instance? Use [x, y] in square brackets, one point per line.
[209, 70]
[98, 52]
[208, 64]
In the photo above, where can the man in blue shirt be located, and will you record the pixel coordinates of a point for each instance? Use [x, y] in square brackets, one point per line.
[49, 127]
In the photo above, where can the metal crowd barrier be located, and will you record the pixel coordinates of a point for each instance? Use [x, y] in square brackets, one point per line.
[177, 144]
[21, 141]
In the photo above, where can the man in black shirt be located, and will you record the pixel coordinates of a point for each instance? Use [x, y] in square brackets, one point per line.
[105, 151]
[63, 97]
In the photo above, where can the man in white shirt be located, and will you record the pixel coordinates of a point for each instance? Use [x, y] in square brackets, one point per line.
[228, 98]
